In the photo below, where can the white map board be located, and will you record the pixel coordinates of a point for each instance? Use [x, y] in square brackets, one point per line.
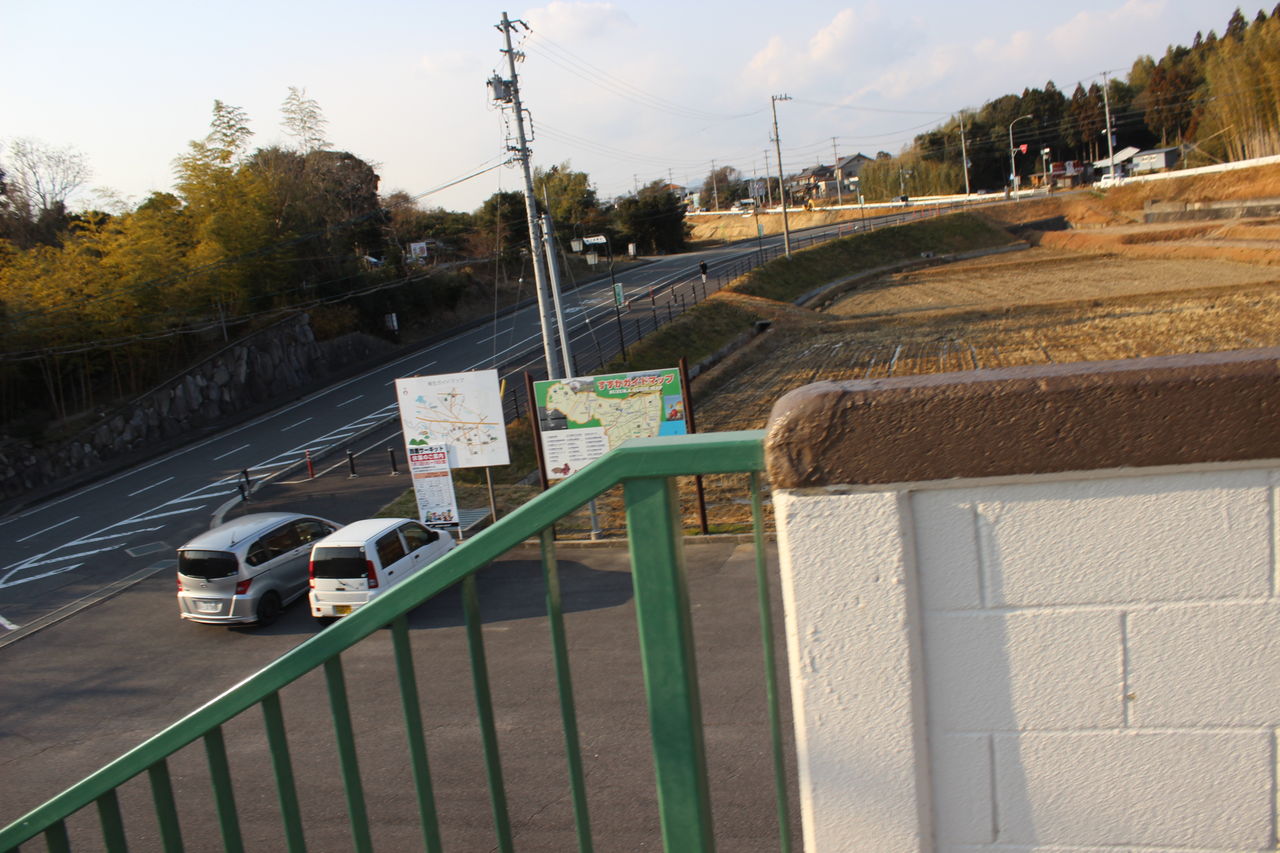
[462, 411]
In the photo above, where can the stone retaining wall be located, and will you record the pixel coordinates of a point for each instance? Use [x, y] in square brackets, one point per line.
[274, 365]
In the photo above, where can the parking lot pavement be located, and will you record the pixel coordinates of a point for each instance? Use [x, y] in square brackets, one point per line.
[83, 691]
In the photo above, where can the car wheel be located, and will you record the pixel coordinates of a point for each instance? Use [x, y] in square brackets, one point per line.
[268, 609]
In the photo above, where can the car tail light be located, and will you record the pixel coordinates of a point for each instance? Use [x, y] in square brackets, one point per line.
[243, 586]
[311, 573]
[371, 573]
[179, 583]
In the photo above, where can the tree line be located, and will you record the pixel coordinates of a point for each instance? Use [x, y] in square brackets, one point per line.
[97, 306]
[1218, 99]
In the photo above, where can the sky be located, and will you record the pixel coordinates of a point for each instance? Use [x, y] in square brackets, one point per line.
[626, 91]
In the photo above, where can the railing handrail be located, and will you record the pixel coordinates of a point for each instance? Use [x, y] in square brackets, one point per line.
[638, 459]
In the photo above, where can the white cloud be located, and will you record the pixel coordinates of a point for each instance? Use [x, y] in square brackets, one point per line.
[1112, 27]
[574, 20]
[827, 51]
[450, 62]
[830, 43]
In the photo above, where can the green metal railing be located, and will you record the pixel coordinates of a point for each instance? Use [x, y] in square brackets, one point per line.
[645, 469]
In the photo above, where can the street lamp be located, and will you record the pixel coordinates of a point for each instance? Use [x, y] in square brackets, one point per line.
[1013, 169]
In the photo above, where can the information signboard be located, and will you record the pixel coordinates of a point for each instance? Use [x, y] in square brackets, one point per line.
[462, 411]
[581, 419]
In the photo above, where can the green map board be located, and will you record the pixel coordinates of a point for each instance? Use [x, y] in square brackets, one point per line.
[582, 418]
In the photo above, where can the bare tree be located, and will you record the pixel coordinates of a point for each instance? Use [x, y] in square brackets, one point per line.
[304, 121]
[39, 177]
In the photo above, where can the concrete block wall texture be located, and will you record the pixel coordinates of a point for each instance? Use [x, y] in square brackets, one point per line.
[1037, 665]
[1056, 660]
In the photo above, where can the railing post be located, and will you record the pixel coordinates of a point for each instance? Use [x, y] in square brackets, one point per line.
[670, 672]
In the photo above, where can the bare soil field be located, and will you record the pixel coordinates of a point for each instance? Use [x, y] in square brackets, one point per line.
[1033, 307]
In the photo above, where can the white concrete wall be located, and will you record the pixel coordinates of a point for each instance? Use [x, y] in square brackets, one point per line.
[1057, 663]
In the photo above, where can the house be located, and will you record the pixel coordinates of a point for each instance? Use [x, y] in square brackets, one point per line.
[1102, 168]
[1156, 159]
[849, 168]
[810, 182]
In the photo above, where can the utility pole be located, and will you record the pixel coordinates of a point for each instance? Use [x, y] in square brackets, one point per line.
[768, 181]
[1106, 103]
[964, 156]
[508, 91]
[715, 187]
[782, 190]
[548, 235]
[836, 168]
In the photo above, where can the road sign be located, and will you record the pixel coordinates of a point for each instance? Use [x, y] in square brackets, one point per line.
[596, 239]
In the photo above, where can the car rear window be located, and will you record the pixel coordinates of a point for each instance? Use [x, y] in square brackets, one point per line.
[207, 564]
[338, 562]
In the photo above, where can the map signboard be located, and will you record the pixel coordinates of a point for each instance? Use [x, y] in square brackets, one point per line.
[462, 411]
[433, 485]
[583, 418]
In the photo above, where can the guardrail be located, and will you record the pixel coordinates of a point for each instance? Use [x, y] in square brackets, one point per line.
[645, 469]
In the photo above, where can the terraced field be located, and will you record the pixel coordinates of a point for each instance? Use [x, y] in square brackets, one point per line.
[1033, 307]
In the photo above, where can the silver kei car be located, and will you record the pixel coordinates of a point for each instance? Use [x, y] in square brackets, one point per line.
[248, 569]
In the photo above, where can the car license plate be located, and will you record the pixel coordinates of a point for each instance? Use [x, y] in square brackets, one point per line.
[342, 609]
[206, 606]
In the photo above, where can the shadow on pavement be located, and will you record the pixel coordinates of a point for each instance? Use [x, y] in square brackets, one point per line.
[508, 590]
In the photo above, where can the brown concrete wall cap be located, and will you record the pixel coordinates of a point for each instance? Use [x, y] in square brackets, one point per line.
[1211, 407]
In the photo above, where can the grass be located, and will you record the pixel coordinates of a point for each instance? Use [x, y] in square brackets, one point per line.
[695, 334]
[785, 280]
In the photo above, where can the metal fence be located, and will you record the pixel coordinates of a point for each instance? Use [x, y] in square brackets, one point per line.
[646, 470]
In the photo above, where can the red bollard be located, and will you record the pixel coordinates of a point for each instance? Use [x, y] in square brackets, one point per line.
[311, 469]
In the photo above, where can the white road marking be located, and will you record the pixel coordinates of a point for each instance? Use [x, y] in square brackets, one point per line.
[77, 555]
[198, 497]
[229, 452]
[47, 529]
[152, 486]
[298, 424]
[6, 584]
[118, 535]
[7, 625]
[352, 400]
[138, 518]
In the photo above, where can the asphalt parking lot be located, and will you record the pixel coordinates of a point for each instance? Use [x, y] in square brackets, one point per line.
[83, 691]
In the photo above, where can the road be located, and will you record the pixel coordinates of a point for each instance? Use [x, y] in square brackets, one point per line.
[69, 551]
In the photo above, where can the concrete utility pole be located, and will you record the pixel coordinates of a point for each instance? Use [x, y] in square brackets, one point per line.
[836, 168]
[768, 181]
[508, 91]
[1106, 104]
[964, 156]
[782, 190]
[548, 235]
[715, 187]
